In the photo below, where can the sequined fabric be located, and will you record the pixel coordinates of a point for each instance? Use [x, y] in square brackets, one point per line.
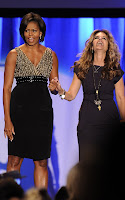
[24, 67]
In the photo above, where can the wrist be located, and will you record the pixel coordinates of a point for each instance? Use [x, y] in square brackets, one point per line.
[6, 119]
[61, 91]
[62, 95]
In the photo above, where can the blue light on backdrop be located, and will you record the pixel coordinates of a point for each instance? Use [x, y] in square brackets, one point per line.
[66, 36]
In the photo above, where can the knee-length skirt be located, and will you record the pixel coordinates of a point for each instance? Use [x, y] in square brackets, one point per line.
[32, 116]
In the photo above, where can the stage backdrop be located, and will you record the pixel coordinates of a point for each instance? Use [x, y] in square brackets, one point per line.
[65, 36]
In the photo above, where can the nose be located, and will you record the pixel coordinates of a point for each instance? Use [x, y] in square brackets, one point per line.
[30, 32]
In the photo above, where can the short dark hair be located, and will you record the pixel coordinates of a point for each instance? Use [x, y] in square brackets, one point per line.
[35, 18]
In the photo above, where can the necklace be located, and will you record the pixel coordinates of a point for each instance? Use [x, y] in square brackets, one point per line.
[96, 68]
[97, 101]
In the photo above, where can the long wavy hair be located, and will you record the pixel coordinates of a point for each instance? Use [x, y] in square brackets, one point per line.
[111, 62]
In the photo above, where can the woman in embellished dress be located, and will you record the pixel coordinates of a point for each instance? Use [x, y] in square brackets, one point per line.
[98, 71]
[28, 108]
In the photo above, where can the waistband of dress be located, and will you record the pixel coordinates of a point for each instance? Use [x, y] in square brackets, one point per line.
[102, 96]
[30, 79]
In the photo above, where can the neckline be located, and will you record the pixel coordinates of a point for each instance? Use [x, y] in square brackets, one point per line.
[98, 66]
[30, 60]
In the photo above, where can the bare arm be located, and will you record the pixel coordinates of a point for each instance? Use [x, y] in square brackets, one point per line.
[54, 73]
[8, 81]
[73, 90]
[120, 97]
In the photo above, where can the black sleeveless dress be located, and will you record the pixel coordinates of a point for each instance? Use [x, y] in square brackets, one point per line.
[98, 130]
[31, 108]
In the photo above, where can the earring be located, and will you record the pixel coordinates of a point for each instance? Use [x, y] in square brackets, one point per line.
[40, 37]
[92, 51]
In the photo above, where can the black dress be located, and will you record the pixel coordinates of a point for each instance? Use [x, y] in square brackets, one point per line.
[97, 130]
[31, 108]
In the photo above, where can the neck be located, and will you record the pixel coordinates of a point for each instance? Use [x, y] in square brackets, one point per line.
[32, 47]
[99, 59]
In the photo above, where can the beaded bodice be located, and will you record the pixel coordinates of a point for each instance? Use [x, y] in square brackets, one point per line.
[24, 67]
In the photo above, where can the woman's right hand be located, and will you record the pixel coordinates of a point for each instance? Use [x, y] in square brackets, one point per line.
[55, 82]
[9, 130]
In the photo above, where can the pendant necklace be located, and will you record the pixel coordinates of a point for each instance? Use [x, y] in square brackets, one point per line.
[97, 101]
[96, 68]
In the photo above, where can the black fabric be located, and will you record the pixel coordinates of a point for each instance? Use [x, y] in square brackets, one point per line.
[32, 116]
[97, 130]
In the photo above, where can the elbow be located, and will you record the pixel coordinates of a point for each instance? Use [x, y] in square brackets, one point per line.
[6, 90]
[121, 100]
[121, 106]
[71, 97]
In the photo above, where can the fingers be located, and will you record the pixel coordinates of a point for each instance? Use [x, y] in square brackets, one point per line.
[52, 87]
[13, 131]
[9, 133]
[5, 135]
[56, 79]
[53, 84]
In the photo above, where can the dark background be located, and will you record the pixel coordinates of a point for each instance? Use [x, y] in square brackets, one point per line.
[65, 8]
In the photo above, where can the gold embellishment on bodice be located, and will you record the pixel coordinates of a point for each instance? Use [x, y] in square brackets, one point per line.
[24, 67]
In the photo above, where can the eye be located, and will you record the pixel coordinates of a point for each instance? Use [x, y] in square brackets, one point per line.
[96, 37]
[27, 30]
[104, 38]
[34, 30]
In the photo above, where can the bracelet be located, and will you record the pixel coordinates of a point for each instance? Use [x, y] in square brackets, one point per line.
[63, 95]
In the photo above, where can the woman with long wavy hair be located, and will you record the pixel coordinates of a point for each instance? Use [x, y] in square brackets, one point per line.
[98, 71]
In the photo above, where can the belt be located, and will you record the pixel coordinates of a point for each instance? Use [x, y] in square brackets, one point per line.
[30, 79]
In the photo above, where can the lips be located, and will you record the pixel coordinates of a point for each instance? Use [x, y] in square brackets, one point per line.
[100, 43]
[30, 39]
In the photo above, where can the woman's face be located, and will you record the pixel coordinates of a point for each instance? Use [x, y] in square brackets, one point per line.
[100, 42]
[32, 33]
